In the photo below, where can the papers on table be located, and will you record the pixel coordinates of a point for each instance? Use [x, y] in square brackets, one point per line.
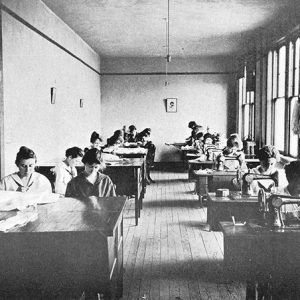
[10, 200]
[23, 217]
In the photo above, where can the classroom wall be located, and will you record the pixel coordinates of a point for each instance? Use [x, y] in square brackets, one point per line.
[207, 98]
[31, 66]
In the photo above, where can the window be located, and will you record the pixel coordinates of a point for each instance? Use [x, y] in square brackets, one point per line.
[293, 137]
[297, 56]
[291, 70]
[278, 101]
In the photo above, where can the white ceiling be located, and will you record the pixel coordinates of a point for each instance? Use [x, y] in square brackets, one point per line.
[136, 28]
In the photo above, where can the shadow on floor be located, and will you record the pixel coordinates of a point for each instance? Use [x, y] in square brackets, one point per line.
[188, 203]
[205, 270]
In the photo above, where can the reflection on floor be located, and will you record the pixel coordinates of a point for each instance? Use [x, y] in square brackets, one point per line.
[170, 254]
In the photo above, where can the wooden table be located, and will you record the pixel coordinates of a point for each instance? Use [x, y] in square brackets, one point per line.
[195, 165]
[127, 152]
[73, 247]
[129, 176]
[258, 254]
[210, 181]
[223, 208]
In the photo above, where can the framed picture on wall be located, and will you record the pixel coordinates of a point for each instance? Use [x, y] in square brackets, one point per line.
[171, 104]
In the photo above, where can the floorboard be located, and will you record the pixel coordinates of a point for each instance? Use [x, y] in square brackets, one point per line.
[171, 254]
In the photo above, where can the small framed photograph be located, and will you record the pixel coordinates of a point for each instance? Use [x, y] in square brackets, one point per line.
[53, 95]
[81, 103]
[171, 104]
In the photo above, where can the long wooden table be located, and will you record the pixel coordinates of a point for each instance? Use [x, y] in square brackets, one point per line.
[261, 255]
[73, 247]
[223, 208]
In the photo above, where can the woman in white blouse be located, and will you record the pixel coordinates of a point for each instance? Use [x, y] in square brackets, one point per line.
[26, 179]
[66, 170]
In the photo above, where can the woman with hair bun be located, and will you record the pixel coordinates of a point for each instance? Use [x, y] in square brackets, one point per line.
[26, 179]
[91, 182]
[96, 142]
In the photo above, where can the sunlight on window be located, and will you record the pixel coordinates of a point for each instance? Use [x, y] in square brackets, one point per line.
[246, 121]
[279, 119]
[297, 56]
[291, 69]
[293, 137]
[281, 71]
[274, 73]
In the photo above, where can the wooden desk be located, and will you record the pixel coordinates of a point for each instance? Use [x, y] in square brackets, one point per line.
[210, 181]
[129, 176]
[72, 247]
[262, 255]
[127, 152]
[195, 165]
[223, 208]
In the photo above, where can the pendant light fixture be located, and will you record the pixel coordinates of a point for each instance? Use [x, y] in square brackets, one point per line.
[168, 56]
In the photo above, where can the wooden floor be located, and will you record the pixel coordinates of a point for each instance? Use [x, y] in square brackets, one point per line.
[170, 254]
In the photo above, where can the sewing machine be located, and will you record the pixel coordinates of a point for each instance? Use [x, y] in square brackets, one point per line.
[247, 179]
[270, 208]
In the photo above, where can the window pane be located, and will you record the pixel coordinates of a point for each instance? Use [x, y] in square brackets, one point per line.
[281, 71]
[269, 79]
[269, 97]
[291, 69]
[279, 110]
[297, 56]
[274, 74]
[293, 137]
[246, 120]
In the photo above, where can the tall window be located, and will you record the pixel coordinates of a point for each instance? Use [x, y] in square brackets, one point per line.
[279, 61]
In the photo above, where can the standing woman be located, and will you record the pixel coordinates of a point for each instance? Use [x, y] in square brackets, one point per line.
[144, 140]
[96, 142]
[91, 182]
[26, 179]
[66, 170]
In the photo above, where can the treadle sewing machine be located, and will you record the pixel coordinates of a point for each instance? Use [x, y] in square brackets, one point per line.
[239, 205]
[271, 210]
[265, 251]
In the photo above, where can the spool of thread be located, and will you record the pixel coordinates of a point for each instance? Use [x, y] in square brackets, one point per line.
[222, 192]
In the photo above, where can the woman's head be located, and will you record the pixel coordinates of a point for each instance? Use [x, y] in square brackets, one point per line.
[192, 124]
[234, 142]
[73, 156]
[268, 156]
[25, 161]
[132, 129]
[96, 140]
[92, 161]
[292, 172]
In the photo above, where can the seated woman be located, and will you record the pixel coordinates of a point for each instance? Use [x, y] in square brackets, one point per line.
[116, 139]
[26, 179]
[144, 140]
[91, 182]
[96, 142]
[233, 150]
[66, 170]
[268, 157]
[292, 172]
[132, 134]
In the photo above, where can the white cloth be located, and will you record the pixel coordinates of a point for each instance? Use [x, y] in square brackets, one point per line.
[282, 181]
[63, 175]
[37, 183]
